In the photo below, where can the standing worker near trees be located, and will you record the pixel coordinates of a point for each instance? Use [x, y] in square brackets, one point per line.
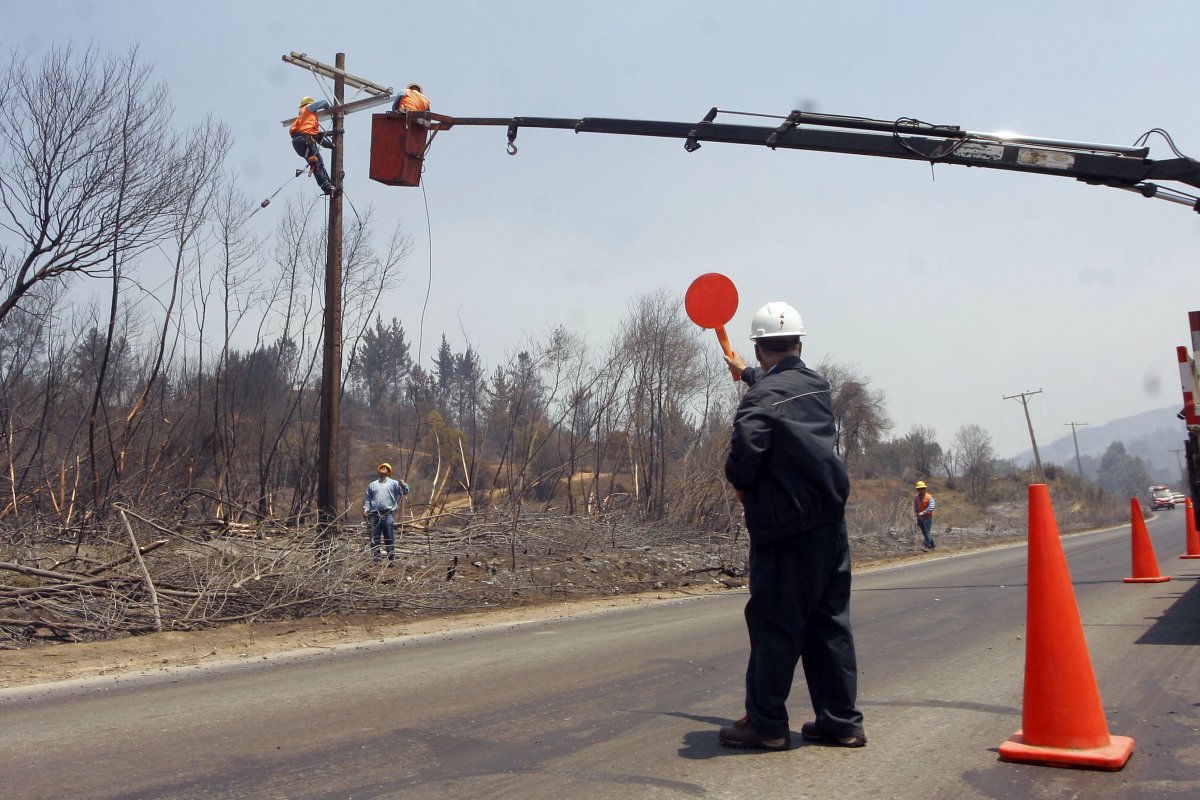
[793, 487]
[411, 99]
[923, 505]
[379, 506]
[308, 139]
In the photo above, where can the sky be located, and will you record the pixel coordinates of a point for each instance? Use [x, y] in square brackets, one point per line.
[948, 287]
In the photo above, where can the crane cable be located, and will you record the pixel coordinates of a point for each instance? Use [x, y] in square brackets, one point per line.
[429, 275]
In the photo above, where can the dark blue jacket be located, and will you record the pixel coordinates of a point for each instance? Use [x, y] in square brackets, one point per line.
[781, 453]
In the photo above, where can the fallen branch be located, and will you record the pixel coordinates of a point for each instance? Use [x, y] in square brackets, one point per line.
[145, 572]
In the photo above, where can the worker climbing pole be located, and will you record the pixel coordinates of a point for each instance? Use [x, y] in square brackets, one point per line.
[331, 361]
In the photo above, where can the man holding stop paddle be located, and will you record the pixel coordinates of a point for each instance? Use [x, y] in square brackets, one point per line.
[793, 487]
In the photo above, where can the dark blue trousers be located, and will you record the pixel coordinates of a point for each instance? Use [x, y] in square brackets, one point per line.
[306, 147]
[799, 611]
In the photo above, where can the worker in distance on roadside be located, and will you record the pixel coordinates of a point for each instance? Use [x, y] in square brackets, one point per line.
[308, 139]
[923, 506]
[411, 99]
[793, 487]
[379, 507]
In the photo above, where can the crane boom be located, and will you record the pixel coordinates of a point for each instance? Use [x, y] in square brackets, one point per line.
[1117, 166]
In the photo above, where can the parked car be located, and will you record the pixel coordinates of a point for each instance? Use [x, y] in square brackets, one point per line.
[1179, 497]
[1161, 497]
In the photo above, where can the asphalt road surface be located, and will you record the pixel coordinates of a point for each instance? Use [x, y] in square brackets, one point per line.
[626, 704]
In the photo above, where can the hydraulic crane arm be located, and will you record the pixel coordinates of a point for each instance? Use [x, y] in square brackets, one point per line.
[1098, 164]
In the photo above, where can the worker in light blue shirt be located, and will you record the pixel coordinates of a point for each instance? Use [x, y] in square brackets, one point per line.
[379, 507]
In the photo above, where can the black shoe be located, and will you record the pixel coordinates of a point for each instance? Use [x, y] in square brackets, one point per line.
[812, 733]
[742, 736]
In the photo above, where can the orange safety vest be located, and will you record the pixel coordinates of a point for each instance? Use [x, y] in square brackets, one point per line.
[306, 123]
[414, 101]
[919, 504]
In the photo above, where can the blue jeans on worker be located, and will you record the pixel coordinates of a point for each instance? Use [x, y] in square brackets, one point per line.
[308, 148]
[926, 526]
[383, 529]
[799, 611]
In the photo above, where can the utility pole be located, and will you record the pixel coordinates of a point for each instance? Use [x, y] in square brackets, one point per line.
[329, 440]
[1179, 461]
[1037, 459]
[1078, 463]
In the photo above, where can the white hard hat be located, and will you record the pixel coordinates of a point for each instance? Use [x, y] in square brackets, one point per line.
[776, 319]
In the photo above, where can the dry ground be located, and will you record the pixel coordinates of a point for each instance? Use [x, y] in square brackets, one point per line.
[592, 575]
[170, 650]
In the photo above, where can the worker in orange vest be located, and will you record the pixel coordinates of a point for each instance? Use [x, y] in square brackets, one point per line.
[411, 99]
[923, 505]
[308, 139]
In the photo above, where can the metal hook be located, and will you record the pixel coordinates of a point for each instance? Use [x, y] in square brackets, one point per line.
[691, 145]
[512, 135]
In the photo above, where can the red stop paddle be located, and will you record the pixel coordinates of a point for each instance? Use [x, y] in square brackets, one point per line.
[711, 301]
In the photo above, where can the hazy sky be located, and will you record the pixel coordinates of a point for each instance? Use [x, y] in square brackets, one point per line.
[948, 287]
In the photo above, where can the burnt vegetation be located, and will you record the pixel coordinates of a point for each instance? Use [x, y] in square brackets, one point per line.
[159, 370]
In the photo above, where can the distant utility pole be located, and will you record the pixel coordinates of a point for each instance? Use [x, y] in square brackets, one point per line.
[1037, 459]
[329, 441]
[1078, 463]
[1179, 460]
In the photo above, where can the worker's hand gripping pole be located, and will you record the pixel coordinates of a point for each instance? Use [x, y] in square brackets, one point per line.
[724, 340]
[710, 302]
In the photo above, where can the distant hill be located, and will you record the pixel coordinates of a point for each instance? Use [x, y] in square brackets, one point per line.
[1151, 436]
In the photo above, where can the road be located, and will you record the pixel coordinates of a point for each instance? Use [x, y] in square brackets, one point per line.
[626, 704]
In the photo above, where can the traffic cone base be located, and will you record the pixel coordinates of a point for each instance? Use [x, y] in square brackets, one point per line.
[1188, 555]
[1111, 758]
[1145, 565]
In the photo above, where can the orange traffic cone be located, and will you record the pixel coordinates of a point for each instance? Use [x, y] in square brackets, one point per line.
[1062, 721]
[1145, 565]
[1193, 539]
